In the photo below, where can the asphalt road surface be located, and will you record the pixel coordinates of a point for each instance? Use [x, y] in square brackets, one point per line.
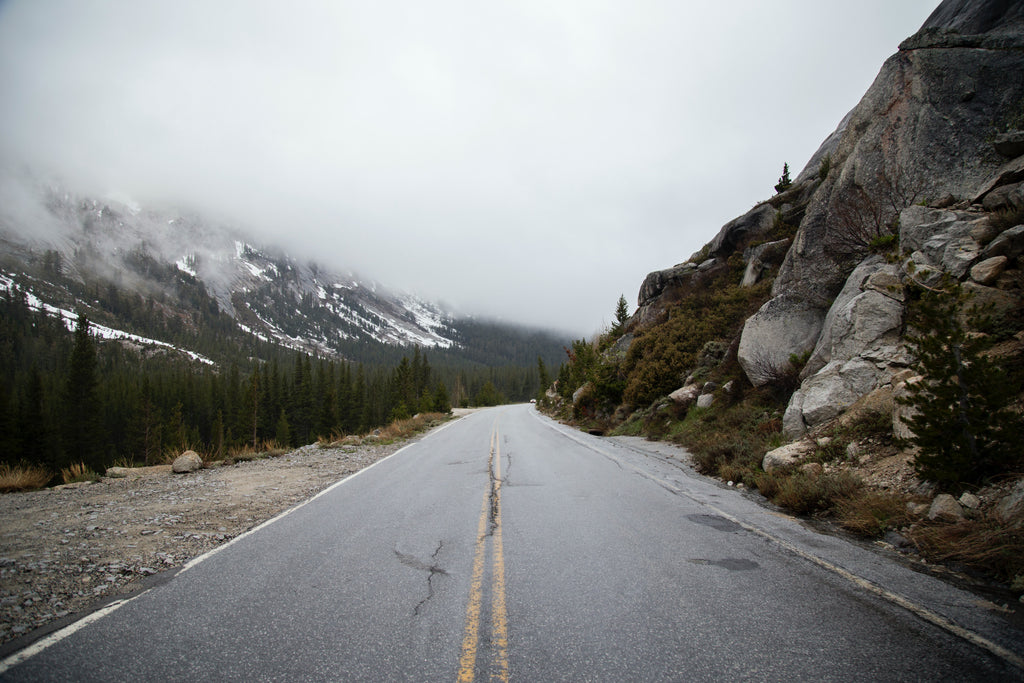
[507, 547]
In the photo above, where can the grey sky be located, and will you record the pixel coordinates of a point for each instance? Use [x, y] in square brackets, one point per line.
[528, 160]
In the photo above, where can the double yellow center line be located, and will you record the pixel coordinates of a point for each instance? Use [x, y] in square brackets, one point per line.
[488, 528]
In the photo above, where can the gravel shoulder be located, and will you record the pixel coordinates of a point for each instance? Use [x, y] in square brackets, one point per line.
[64, 551]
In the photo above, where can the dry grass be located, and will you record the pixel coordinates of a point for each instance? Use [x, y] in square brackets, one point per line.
[22, 478]
[872, 513]
[806, 494]
[266, 449]
[987, 544]
[397, 430]
[77, 472]
[403, 429]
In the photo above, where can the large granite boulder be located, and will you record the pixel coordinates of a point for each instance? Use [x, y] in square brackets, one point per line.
[187, 462]
[783, 327]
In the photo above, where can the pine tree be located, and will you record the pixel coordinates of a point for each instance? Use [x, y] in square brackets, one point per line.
[621, 317]
[784, 182]
[962, 423]
[33, 430]
[82, 409]
[282, 432]
[441, 402]
[545, 380]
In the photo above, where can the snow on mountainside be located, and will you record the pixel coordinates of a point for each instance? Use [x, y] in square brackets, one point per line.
[160, 253]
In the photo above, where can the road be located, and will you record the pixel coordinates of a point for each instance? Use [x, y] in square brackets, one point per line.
[507, 547]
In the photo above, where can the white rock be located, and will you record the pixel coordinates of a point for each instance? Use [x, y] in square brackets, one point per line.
[945, 508]
[783, 326]
[189, 461]
[970, 501]
[786, 455]
[685, 395]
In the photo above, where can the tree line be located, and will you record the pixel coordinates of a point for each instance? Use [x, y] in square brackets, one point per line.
[66, 398]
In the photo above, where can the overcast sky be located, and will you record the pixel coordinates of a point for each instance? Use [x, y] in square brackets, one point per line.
[527, 160]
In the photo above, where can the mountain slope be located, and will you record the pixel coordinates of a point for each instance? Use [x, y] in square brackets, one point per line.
[157, 272]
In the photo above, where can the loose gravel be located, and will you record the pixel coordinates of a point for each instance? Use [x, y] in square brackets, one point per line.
[65, 550]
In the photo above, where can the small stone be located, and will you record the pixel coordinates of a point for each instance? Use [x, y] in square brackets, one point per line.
[896, 540]
[705, 400]
[945, 508]
[988, 271]
[812, 469]
[970, 501]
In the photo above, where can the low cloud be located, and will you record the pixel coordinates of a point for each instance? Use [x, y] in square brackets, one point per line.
[530, 162]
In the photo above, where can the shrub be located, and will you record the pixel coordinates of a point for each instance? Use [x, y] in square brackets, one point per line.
[77, 472]
[22, 478]
[661, 355]
[805, 494]
[963, 426]
[872, 513]
[987, 544]
[825, 166]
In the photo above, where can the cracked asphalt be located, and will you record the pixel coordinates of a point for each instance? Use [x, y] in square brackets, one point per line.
[586, 559]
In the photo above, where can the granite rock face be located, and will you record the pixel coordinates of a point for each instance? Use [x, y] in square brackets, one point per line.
[923, 130]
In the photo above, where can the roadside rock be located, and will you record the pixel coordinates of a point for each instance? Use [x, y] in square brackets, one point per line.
[945, 509]
[782, 327]
[1009, 144]
[786, 455]
[750, 225]
[187, 462]
[1012, 506]
[761, 258]
[685, 396]
[969, 501]
[1010, 243]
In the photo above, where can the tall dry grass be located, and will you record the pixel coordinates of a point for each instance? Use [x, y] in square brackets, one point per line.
[22, 478]
[77, 472]
[987, 544]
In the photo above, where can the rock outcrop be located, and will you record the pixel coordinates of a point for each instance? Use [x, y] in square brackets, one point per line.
[923, 180]
[923, 131]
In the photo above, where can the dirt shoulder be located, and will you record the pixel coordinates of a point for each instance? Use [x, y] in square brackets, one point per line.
[67, 549]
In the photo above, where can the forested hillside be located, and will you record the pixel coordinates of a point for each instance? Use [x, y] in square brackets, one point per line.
[72, 397]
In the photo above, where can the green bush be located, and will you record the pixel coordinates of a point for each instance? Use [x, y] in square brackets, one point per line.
[963, 426]
[805, 494]
[661, 355]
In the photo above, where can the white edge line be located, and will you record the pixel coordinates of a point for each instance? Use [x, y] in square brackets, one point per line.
[69, 630]
[871, 587]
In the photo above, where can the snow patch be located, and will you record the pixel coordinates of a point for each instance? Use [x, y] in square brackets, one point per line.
[70, 321]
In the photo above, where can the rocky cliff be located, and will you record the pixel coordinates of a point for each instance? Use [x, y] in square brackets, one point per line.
[922, 178]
